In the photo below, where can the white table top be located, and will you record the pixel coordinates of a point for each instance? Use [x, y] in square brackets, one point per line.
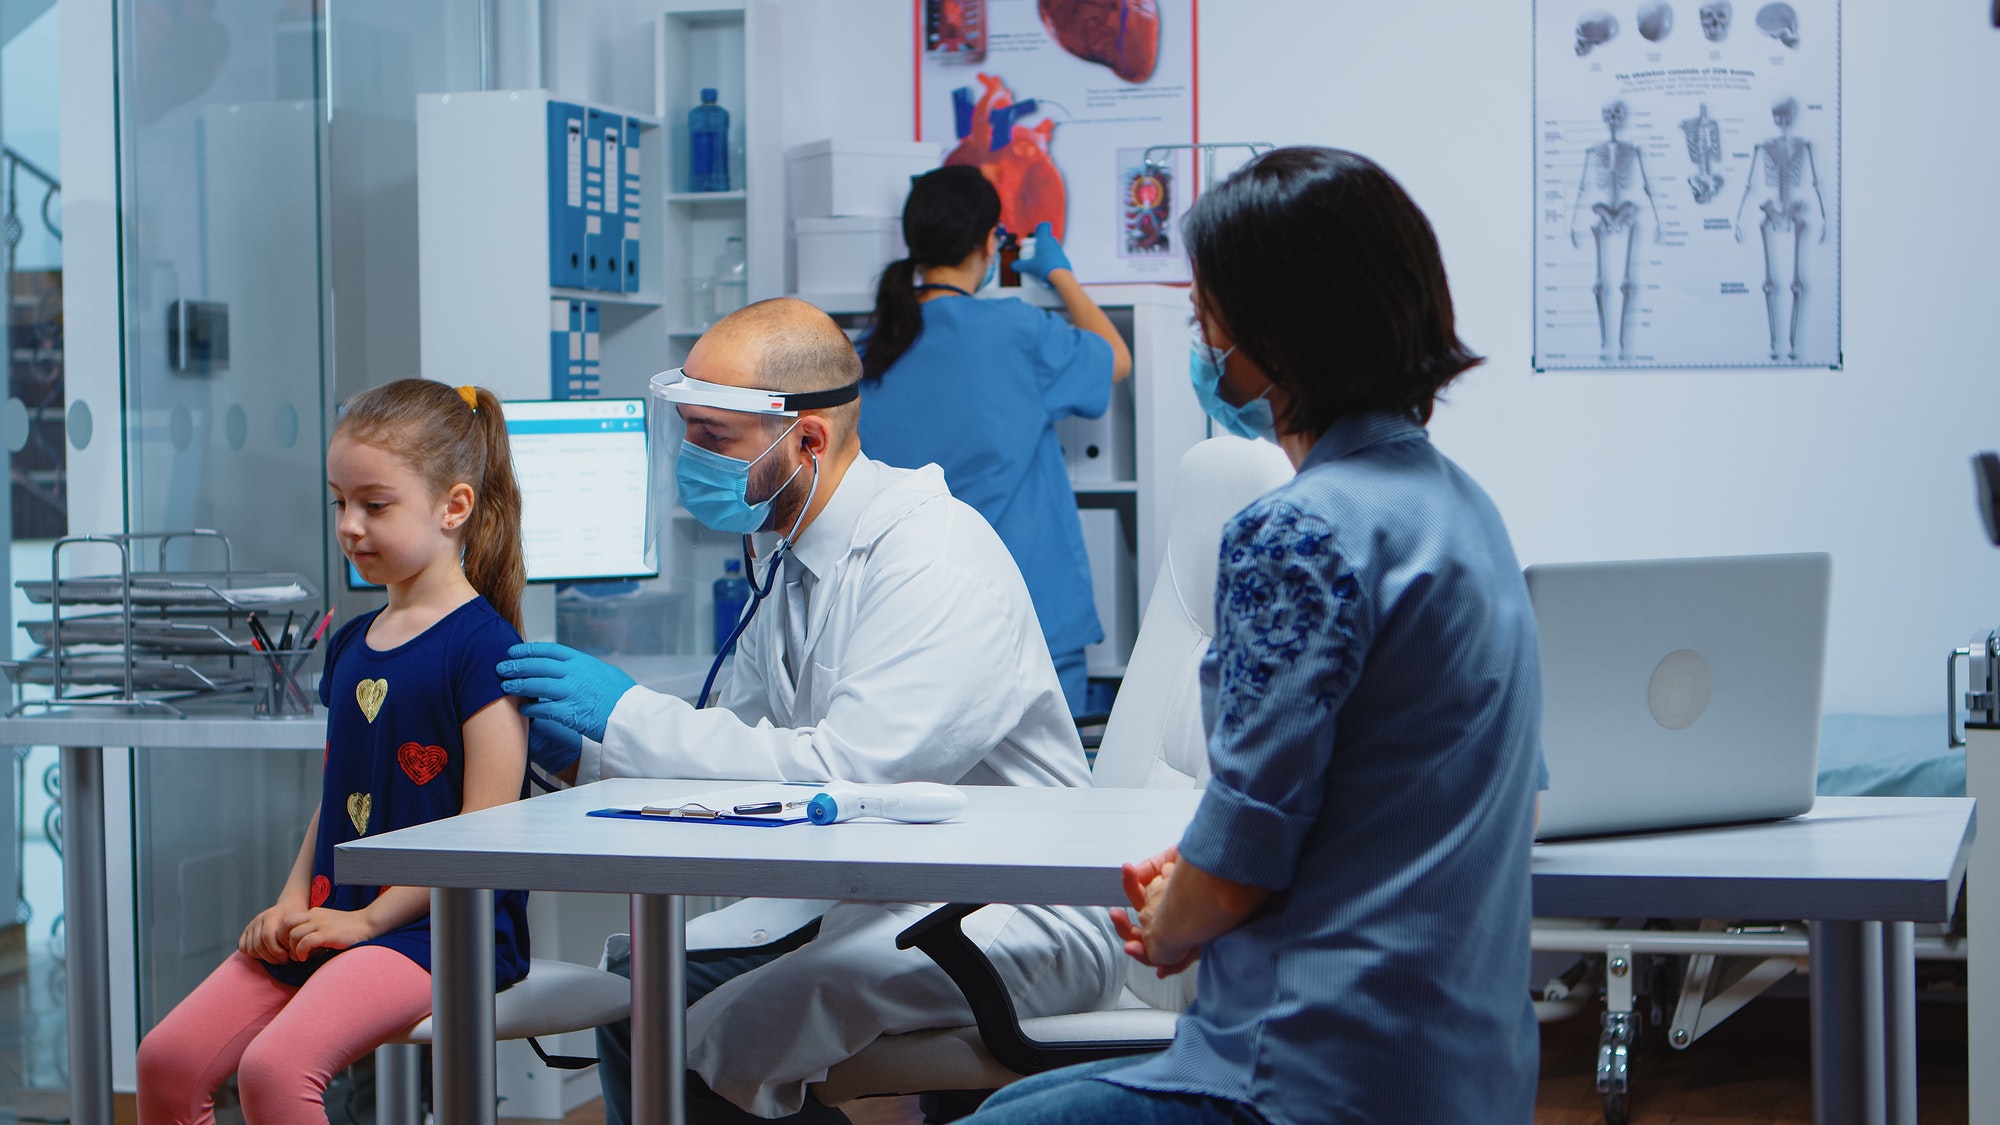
[217, 726]
[1017, 845]
[1849, 859]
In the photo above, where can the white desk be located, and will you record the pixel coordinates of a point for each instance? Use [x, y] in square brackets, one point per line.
[1853, 864]
[1847, 867]
[1029, 846]
[82, 735]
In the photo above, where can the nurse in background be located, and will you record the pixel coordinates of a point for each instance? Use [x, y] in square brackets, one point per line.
[976, 387]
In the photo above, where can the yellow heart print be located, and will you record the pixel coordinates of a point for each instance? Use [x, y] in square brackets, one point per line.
[370, 694]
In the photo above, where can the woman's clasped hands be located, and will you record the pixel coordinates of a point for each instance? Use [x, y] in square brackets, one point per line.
[1146, 888]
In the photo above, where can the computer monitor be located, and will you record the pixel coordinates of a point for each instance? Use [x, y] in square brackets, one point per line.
[583, 468]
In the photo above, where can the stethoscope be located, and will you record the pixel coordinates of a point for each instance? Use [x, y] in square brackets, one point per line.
[759, 593]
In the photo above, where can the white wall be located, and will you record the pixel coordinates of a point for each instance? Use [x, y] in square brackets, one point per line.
[1869, 463]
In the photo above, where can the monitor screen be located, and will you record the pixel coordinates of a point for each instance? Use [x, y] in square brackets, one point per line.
[582, 464]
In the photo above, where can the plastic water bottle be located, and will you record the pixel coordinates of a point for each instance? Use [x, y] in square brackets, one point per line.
[731, 591]
[708, 145]
[732, 278]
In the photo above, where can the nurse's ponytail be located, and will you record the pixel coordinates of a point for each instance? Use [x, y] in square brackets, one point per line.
[897, 322]
[946, 219]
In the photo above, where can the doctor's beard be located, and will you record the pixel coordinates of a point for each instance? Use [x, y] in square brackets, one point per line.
[767, 478]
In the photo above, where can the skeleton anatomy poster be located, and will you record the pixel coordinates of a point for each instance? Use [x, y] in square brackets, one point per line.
[1057, 102]
[1687, 184]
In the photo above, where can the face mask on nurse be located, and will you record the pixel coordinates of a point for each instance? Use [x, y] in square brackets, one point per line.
[1252, 419]
[715, 488]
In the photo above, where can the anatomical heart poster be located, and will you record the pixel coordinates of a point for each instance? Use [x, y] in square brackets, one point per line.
[1687, 184]
[1057, 101]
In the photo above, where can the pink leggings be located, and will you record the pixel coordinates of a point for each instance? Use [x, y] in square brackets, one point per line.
[284, 1043]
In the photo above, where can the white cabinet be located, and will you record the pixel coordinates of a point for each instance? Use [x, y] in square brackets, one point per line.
[483, 250]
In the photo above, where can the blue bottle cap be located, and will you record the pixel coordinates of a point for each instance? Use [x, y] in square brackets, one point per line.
[707, 94]
[731, 566]
[822, 810]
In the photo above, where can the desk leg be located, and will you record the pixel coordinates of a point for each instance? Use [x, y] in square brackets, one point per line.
[1899, 1014]
[1847, 1023]
[463, 1066]
[87, 941]
[659, 1010]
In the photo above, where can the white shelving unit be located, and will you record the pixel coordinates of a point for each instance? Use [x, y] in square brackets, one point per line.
[1152, 420]
[726, 46]
[729, 45]
[483, 250]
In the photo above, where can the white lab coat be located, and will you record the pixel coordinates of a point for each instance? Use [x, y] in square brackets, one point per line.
[923, 661]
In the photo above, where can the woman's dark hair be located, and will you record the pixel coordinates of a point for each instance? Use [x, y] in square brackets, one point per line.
[948, 215]
[451, 439]
[1328, 277]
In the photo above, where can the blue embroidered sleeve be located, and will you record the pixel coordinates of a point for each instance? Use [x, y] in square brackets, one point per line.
[1289, 644]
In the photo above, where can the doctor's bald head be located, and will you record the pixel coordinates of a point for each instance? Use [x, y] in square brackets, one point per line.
[783, 344]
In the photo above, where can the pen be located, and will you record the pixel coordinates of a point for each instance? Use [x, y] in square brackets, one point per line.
[319, 631]
[257, 633]
[767, 807]
[285, 641]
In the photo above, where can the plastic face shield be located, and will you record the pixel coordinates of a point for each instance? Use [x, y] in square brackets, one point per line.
[730, 420]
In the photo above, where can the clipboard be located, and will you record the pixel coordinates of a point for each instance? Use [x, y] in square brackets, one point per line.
[720, 807]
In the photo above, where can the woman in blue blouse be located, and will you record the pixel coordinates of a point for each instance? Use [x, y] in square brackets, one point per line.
[1355, 881]
[977, 386]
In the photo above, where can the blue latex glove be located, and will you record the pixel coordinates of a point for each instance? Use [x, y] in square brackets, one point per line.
[1048, 257]
[570, 687]
[553, 746]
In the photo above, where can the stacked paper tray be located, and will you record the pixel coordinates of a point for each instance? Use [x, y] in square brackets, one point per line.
[108, 670]
[149, 635]
[217, 591]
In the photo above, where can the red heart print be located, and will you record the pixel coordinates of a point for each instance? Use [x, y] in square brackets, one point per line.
[421, 762]
[321, 888]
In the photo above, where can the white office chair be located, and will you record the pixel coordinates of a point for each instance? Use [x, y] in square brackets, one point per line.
[1154, 740]
[556, 997]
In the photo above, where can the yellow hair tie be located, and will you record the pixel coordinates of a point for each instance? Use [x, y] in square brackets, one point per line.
[471, 397]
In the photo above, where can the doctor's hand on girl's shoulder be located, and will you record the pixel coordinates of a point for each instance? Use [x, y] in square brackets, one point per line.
[268, 937]
[322, 928]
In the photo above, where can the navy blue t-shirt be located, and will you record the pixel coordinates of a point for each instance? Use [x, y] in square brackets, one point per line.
[397, 719]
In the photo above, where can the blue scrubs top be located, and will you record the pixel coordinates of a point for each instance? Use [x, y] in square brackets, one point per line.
[978, 395]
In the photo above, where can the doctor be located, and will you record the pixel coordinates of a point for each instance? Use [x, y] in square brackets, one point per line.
[898, 643]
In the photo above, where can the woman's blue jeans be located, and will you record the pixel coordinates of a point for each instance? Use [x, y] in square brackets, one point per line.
[1075, 1096]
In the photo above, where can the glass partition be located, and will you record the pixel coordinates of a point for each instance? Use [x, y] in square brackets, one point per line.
[268, 163]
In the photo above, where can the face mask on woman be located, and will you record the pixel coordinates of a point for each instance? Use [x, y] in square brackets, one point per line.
[1252, 419]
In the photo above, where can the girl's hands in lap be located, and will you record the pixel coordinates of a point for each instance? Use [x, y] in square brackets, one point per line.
[268, 936]
[321, 928]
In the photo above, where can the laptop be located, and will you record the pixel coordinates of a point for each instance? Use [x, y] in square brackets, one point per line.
[1680, 692]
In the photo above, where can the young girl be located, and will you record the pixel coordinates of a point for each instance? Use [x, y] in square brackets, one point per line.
[417, 729]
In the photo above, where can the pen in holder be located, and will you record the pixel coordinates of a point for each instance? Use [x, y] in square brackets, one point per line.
[275, 680]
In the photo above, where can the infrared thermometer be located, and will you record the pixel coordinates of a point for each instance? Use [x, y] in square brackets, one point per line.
[912, 802]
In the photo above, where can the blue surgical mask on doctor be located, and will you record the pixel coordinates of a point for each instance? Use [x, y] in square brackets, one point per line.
[715, 487]
[1252, 419]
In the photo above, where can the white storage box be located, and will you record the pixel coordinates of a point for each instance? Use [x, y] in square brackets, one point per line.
[1100, 450]
[1114, 586]
[845, 255]
[839, 177]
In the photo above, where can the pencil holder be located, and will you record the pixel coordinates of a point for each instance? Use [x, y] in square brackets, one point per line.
[277, 684]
